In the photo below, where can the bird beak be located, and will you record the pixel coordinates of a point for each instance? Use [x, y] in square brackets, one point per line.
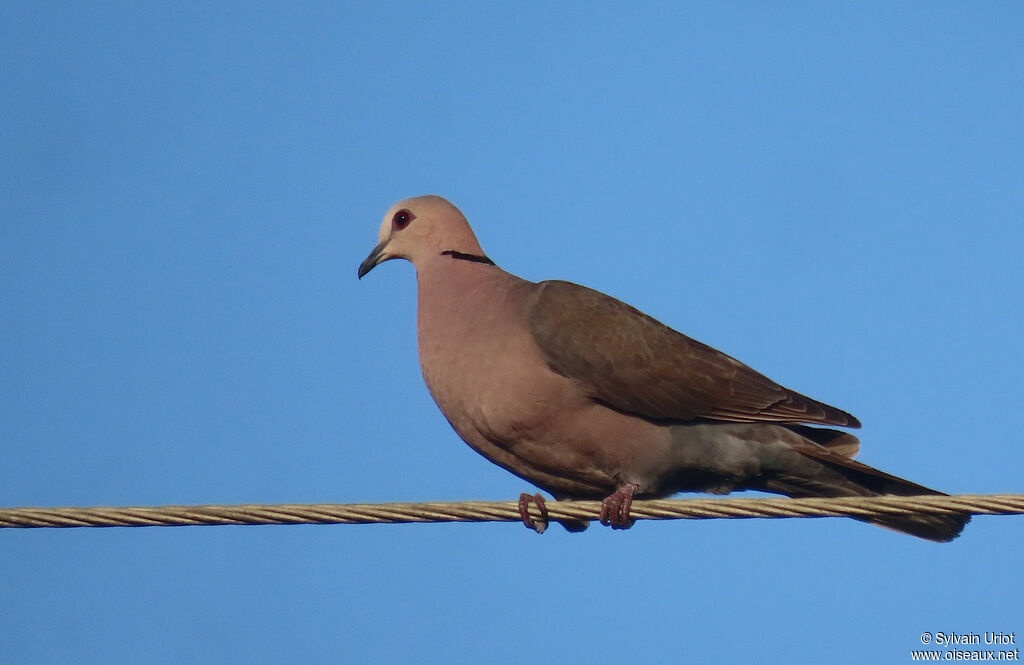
[375, 257]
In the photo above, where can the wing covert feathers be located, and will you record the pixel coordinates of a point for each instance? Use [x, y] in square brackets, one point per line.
[636, 364]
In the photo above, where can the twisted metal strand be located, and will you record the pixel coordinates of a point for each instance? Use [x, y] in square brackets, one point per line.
[505, 511]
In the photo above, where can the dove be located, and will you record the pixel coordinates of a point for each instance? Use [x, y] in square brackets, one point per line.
[587, 397]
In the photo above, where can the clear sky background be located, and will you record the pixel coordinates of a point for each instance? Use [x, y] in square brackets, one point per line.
[831, 192]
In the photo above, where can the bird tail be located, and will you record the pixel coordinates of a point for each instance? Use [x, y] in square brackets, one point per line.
[841, 476]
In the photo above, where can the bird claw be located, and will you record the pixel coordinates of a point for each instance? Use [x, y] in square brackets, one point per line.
[615, 508]
[524, 512]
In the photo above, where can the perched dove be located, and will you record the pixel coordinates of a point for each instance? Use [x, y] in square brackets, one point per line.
[589, 398]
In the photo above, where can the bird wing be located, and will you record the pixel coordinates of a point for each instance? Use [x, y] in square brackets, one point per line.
[635, 364]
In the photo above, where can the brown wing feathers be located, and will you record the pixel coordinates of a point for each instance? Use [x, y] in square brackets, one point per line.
[636, 364]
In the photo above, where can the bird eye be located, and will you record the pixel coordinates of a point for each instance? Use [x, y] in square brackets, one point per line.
[402, 219]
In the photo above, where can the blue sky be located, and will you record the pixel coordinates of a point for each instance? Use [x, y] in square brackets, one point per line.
[831, 192]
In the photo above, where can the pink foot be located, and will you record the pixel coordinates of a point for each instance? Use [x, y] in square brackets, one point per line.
[615, 508]
[524, 512]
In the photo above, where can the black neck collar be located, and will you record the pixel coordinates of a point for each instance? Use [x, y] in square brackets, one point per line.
[475, 258]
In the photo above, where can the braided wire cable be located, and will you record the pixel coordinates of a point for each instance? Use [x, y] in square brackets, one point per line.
[504, 511]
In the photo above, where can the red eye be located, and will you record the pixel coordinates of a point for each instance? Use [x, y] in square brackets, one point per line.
[402, 219]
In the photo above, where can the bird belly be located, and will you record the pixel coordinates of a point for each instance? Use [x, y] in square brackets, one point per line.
[544, 430]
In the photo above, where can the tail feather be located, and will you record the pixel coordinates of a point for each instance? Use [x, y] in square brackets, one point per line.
[797, 461]
[840, 443]
[841, 476]
[940, 528]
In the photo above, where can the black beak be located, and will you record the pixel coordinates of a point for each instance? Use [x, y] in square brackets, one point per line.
[372, 260]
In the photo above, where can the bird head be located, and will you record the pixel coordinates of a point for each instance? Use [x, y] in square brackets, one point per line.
[418, 228]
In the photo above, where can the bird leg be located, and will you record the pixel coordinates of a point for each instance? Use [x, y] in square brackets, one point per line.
[615, 508]
[524, 512]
